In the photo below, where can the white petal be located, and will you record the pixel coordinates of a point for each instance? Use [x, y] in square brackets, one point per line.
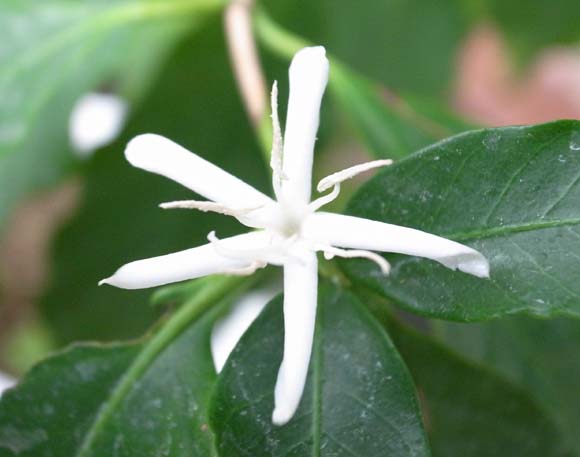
[308, 78]
[6, 382]
[358, 233]
[300, 300]
[227, 331]
[96, 120]
[160, 155]
[184, 265]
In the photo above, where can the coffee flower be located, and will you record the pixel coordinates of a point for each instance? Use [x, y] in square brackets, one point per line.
[290, 229]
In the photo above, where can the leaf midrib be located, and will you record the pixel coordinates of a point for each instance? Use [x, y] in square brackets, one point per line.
[175, 326]
[491, 232]
[317, 386]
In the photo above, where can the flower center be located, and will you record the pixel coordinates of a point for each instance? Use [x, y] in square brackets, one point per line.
[290, 219]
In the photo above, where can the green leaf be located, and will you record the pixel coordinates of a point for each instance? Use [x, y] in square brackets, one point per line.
[511, 193]
[531, 25]
[469, 410]
[539, 355]
[119, 219]
[387, 124]
[52, 52]
[358, 401]
[147, 398]
[407, 45]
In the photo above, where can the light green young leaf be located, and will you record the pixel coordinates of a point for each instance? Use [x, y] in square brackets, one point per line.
[54, 51]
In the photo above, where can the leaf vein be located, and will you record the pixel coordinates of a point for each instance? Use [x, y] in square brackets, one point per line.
[563, 196]
[491, 232]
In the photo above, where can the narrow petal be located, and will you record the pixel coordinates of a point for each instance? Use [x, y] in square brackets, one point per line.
[354, 232]
[6, 382]
[308, 78]
[300, 300]
[277, 144]
[228, 330]
[184, 265]
[160, 155]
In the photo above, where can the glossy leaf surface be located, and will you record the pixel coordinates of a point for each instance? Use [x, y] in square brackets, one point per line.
[359, 399]
[511, 193]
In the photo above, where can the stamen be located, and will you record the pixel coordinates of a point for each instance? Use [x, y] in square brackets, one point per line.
[325, 199]
[247, 271]
[208, 206]
[330, 252]
[276, 156]
[351, 172]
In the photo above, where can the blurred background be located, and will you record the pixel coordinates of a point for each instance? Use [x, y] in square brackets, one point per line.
[79, 78]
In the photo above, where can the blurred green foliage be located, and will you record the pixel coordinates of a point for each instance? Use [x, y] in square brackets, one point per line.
[119, 219]
[394, 69]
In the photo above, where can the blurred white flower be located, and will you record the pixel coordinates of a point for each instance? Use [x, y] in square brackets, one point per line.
[228, 330]
[290, 229]
[6, 382]
[96, 121]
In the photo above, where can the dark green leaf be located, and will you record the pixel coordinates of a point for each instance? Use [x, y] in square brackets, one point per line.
[470, 411]
[195, 103]
[52, 52]
[511, 193]
[358, 401]
[539, 355]
[147, 398]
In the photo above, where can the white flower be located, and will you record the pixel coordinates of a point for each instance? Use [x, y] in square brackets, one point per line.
[290, 229]
[228, 330]
[96, 120]
[6, 382]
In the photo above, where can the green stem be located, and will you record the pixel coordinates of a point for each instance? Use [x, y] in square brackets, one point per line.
[275, 38]
[215, 289]
[285, 44]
